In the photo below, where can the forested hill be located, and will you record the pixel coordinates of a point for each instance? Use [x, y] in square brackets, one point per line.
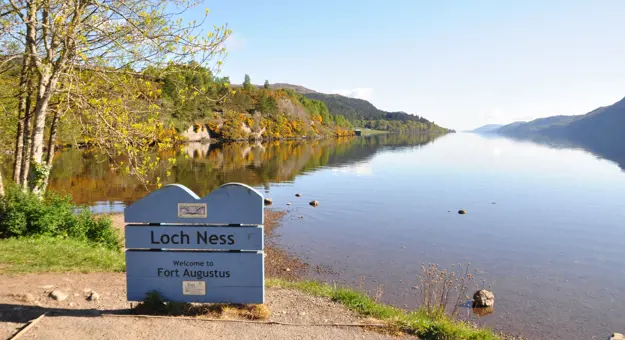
[603, 125]
[361, 113]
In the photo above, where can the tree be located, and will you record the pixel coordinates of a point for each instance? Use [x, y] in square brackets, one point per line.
[266, 85]
[69, 45]
[247, 83]
[1, 185]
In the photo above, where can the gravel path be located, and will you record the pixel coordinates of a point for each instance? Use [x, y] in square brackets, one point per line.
[69, 328]
[25, 297]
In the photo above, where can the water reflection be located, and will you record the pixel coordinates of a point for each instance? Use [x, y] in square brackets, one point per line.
[599, 148]
[203, 167]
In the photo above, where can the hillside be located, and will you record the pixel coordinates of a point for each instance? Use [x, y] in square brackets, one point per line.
[487, 128]
[361, 113]
[603, 124]
[600, 131]
[536, 126]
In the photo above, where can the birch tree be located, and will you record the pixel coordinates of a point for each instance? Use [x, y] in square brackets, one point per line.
[68, 44]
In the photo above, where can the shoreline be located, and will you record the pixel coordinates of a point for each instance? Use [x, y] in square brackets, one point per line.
[64, 290]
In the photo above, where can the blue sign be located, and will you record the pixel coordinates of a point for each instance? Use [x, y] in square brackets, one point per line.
[196, 276]
[192, 249]
[194, 237]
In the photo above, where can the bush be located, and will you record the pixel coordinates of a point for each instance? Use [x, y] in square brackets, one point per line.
[23, 214]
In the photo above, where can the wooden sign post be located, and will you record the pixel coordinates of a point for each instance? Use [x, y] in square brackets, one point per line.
[197, 250]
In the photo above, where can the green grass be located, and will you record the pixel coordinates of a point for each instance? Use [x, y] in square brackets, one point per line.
[46, 254]
[370, 132]
[417, 323]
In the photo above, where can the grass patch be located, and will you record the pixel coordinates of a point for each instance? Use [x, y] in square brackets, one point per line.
[417, 323]
[49, 254]
[370, 132]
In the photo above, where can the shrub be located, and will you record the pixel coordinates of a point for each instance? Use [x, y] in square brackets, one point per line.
[23, 214]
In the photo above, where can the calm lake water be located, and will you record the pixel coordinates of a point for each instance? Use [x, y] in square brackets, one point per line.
[544, 226]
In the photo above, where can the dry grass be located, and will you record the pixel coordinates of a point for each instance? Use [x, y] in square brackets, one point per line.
[442, 289]
[154, 304]
[426, 327]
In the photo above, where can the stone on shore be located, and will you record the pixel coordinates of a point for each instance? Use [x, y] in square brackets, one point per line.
[617, 336]
[26, 297]
[58, 295]
[483, 298]
[93, 297]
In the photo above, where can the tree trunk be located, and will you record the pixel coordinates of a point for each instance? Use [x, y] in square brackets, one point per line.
[51, 147]
[19, 146]
[52, 139]
[39, 171]
[1, 185]
[25, 166]
[22, 113]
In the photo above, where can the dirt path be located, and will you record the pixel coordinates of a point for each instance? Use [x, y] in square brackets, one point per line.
[65, 328]
[25, 297]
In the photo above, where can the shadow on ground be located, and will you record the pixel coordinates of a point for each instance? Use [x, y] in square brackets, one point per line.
[25, 313]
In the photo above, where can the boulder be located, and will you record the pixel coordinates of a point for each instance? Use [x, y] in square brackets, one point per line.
[314, 203]
[268, 201]
[196, 133]
[483, 298]
[298, 195]
[58, 295]
[462, 212]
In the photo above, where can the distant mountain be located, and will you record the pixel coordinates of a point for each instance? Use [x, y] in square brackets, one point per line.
[354, 109]
[487, 128]
[601, 131]
[296, 88]
[536, 126]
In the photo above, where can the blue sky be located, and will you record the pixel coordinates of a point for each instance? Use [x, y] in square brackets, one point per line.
[459, 63]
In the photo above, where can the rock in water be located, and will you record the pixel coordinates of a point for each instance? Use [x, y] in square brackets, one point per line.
[268, 201]
[298, 195]
[314, 203]
[58, 295]
[483, 311]
[483, 298]
[461, 212]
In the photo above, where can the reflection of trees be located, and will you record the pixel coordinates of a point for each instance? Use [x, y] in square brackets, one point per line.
[204, 167]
